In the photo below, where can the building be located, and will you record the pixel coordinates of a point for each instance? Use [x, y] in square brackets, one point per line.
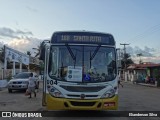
[143, 72]
[8, 73]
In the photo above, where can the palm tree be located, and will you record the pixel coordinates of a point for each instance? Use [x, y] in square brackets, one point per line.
[37, 51]
[126, 61]
[29, 53]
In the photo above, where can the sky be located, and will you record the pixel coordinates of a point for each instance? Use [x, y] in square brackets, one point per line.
[25, 23]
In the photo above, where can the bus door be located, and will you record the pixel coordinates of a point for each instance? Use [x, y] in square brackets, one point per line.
[44, 97]
[44, 103]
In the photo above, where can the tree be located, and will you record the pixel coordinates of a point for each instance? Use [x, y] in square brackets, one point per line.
[37, 51]
[29, 53]
[2, 54]
[2, 58]
[157, 76]
[126, 61]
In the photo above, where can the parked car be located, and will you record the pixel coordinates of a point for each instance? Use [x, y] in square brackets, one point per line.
[20, 81]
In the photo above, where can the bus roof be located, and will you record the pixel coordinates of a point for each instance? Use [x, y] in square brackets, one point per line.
[82, 37]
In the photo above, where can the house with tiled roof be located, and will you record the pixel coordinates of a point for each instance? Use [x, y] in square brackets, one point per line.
[140, 72]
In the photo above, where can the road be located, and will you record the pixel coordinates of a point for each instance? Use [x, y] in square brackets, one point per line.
[131, 98]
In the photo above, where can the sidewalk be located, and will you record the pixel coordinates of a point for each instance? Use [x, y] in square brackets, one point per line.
[148, 85]
[3, 84]
[143, 84]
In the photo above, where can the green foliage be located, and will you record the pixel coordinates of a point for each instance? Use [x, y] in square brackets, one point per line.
[2, 54]
[157, 75]
[29, 53]
[126, 60]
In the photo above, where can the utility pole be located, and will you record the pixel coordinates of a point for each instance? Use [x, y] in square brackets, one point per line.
[118, 50]
[124, 47]
[119, 57]
[125, 67]
[124, 52]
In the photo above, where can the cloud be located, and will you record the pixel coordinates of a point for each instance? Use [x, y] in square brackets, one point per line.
[25, 44]
[1, 45]
[10, 33]
[147, 49]
[22, 41]
[148, 54]
[155, 59]
[23, 33]
[31, 9]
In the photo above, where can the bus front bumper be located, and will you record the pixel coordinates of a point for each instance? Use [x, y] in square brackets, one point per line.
[77, 104]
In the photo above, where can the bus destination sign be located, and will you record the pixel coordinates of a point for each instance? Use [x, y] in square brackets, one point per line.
[83, 39]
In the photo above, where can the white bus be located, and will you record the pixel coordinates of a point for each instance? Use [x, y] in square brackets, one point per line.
[80, 71]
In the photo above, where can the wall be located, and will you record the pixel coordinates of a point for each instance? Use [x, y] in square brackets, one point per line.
[7, 74]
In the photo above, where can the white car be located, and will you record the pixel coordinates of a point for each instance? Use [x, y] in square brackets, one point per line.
[21, 80]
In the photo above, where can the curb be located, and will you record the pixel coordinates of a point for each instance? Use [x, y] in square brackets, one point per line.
[147, 85]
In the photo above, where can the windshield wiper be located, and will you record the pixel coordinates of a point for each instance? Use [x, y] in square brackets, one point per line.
[71, 53]
[94, 54]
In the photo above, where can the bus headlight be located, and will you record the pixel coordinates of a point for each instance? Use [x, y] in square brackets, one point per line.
[56, 93]
[109, 94]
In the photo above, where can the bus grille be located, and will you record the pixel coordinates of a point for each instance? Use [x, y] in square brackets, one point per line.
[82, 103]
[80, 96]
[82, 89]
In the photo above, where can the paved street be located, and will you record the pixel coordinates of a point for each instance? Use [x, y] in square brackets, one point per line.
[131, 98]
[17, 101]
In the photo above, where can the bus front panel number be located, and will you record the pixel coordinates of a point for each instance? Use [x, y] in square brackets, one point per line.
[55, 82]
[65, 37]
[51, 82]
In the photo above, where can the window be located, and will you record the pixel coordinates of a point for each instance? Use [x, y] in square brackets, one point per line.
[92, 63]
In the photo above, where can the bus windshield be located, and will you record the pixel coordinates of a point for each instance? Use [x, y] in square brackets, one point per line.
[82, 63]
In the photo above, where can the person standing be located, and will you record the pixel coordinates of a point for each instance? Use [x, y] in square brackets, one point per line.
[31, 86]
[119, 81]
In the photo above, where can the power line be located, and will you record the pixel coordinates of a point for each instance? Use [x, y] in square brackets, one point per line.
[148, 32]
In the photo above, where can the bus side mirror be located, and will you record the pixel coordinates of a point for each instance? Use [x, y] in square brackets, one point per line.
[42, 49]
[42, 54]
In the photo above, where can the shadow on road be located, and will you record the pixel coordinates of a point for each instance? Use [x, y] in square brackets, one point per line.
[18, 91]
